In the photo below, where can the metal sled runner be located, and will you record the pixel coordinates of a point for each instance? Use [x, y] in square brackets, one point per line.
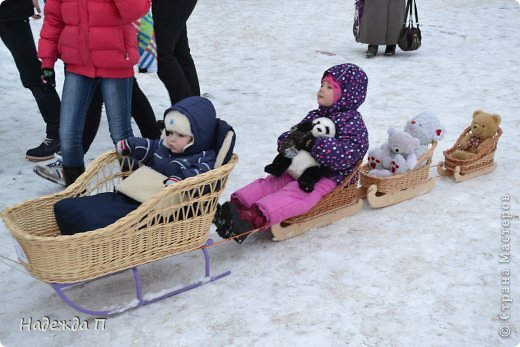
[177, 220]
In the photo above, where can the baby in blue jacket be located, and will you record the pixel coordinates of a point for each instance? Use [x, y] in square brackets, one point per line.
[185, 150]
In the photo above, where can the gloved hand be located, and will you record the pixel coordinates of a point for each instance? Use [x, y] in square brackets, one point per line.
[48, 77]
[123, 148]
[304, 140]
[288, 148]
[304, 126]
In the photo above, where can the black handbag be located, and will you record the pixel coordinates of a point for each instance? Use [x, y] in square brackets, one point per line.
[410, 36]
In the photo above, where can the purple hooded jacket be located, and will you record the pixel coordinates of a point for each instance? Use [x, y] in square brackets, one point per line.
[341, 153]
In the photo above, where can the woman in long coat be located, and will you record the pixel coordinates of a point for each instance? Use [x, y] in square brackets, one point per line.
[380, 24]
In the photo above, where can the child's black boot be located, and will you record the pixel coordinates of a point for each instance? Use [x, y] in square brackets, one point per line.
[222, 221]
[238, 225]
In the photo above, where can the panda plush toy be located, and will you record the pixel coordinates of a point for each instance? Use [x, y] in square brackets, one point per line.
[295, 158]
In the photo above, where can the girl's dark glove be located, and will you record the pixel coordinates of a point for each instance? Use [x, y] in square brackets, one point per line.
[304, 126]
[305, 141]
[48, 78]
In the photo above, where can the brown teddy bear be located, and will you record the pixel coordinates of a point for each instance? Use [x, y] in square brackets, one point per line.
[483, 127]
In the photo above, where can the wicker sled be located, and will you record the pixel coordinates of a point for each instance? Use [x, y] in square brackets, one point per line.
[175, 221]
[481, 164]
[386, 191]
[343, 201]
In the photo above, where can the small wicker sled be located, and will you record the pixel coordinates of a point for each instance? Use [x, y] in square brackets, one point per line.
[175, 221]
[343, 201]
[386, 191]
[481, 164]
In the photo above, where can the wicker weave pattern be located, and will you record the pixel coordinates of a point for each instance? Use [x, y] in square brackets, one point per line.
[483, 159]
[410, 178]
[343, 195]
[176, 220]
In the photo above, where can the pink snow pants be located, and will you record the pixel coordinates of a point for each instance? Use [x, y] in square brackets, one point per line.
[279, 198]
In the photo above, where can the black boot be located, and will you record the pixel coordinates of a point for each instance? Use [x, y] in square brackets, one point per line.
[390, 50]
[222, 221]
[371, 51]
[72, 173]
[229, 224]
[238, 225]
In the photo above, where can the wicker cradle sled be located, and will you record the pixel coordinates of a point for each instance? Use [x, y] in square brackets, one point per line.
[175, 221]
[386, 191]
[345, 200]
[481, 164]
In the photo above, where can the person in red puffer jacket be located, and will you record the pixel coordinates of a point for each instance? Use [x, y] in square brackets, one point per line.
[98, 45]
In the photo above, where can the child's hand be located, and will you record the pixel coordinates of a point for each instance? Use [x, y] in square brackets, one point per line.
[171, 180]
[123, 148]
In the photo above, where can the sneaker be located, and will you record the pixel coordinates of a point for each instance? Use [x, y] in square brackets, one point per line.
[44, 151]
[52, 171]
[371, 51]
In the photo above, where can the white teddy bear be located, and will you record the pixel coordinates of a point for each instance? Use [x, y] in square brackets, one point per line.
[395, 156]
[427, 128]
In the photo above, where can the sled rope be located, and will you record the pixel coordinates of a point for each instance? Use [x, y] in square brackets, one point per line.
[13, 267]
[234, 237]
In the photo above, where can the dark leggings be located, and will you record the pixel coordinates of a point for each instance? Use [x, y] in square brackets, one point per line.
[18, 38]
[175, 65]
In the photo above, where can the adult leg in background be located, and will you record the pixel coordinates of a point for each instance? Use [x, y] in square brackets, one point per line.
[175, 65]
[143, 114]
[18, 38]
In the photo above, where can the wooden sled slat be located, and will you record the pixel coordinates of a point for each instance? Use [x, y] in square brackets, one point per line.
[345, 200]
[386, 191]
[283, 232]
[391, 198]
[442, 170]
[463, 170]
[476, 173]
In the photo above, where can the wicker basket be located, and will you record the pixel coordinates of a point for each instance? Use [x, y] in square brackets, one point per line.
[343, 195]
[410, 178]
[176, 220]
[483, 159]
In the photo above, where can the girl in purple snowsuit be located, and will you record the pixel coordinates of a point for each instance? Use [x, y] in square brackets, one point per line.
[270, 200]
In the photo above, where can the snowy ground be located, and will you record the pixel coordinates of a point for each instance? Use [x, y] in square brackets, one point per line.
[424, 272]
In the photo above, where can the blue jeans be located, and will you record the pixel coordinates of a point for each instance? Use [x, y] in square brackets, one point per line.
[77, 94]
